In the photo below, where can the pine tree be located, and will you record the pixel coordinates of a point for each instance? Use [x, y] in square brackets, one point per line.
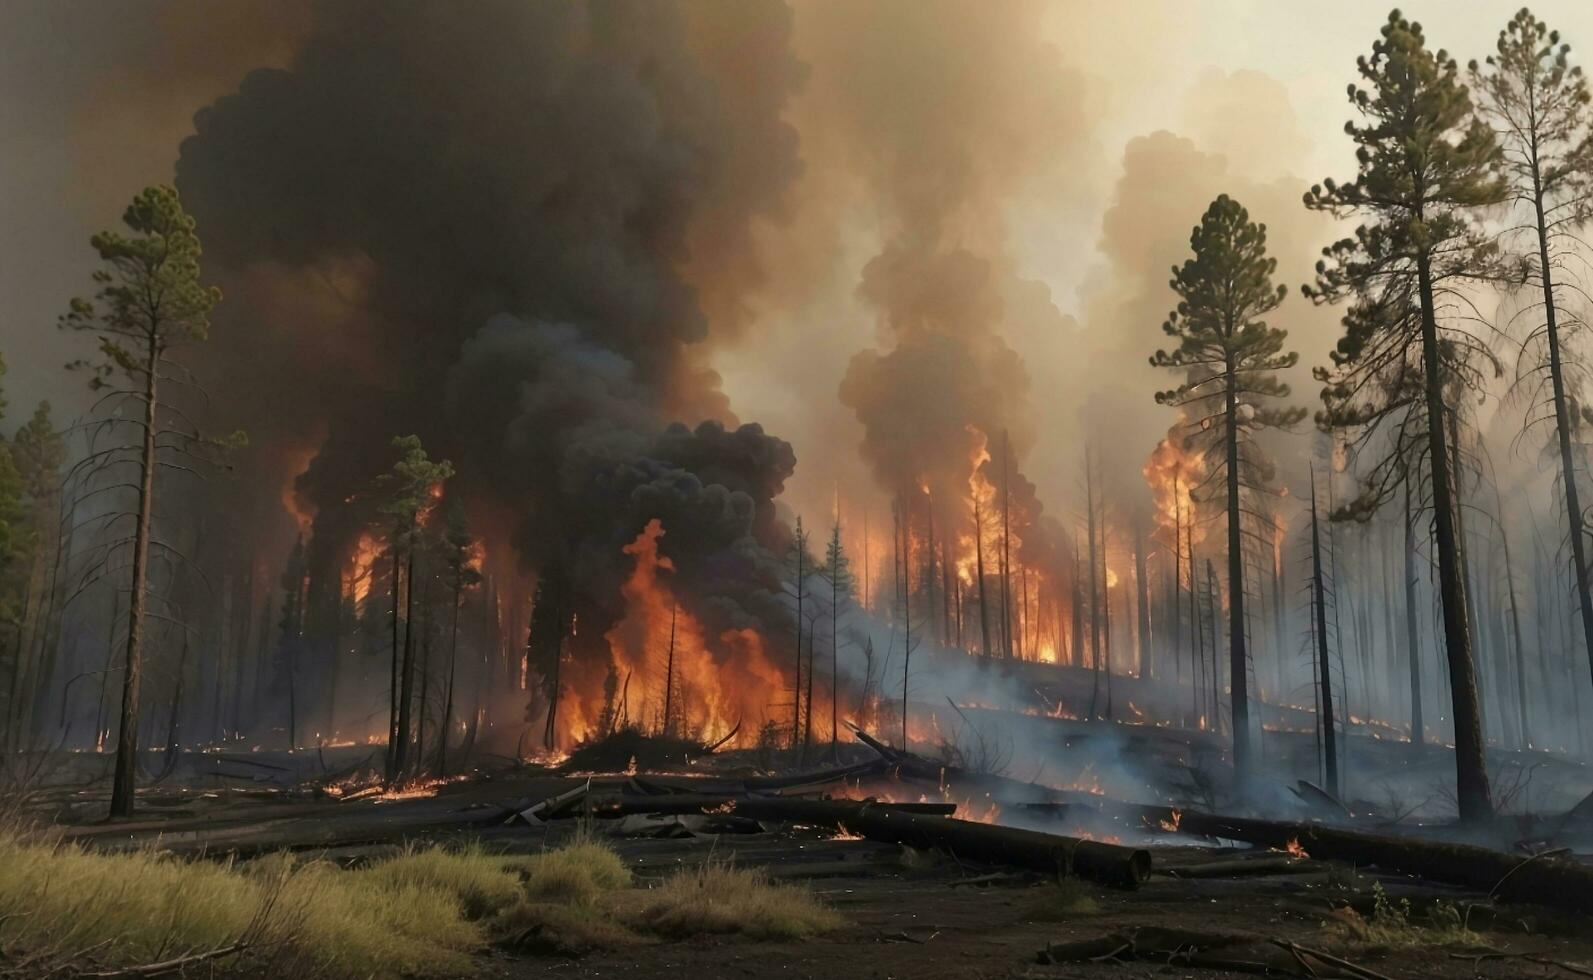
[38, 452]
[1538, 103]
[15, 560]
[410, 488]
[149, 303]
[1426, 165]
[1229, 355]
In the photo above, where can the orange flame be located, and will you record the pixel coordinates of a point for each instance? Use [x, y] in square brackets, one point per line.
[713, 685]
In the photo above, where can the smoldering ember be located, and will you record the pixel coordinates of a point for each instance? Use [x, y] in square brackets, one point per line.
[900, 488]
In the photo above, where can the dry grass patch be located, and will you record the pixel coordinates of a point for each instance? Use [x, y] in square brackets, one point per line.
[720, 898]
[562, 928]
[407, 916]
[1060, 900]
[581, 872]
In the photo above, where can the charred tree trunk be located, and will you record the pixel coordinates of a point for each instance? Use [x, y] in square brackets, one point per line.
[126, 771]
[1515, 621]
[979, 569]
[907, 626]
[392, 681]
[1412, 634]
[1238, 664]
[453, 672]
[424, 705]
[1006, 549]
[406, 683]
[1095, 608]
[1563, 425]
[1324, 665]
[669, 676]
[1178, 576]
[1471, 771]
[1142, 600]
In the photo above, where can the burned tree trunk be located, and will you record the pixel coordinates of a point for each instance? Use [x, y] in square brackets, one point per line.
[1095, 609]
[669, 676]
[1325, 679]
[406, 687]
[1471, 772]
[1412, 635]
[979, 570]
[126, 772]
[1238, 693]
[1006, 548]
[1142, 600]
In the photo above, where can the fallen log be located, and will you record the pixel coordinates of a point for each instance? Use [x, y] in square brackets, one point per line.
[896, 823]
[553, 806]
[607, 807]
[1555, 881]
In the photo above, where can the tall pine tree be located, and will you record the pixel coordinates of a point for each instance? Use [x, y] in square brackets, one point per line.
[1228, 355]
[149, 303]
[1426, 165]
[1539, 105]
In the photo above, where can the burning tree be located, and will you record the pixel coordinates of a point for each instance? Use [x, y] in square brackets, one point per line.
[1538, 104]
[1426, 164]
[149, 303]
[1229, 355]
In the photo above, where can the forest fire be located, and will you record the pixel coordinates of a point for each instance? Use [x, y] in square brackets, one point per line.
[522, 319]
[666, 675]
[361, 564]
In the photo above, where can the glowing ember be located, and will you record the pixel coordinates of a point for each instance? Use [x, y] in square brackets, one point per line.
[1171, 825]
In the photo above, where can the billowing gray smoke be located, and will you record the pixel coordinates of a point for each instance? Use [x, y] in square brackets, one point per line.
[504, 219]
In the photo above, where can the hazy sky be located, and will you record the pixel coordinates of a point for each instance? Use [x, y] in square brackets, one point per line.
[95, 97]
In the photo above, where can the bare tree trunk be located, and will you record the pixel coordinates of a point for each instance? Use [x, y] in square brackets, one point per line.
[126, 773]
[406, 682]
[1412, 635]
[979, 569]
[1095, 609]
[669, 676]
[1178, 575]
[1142, 599]
[1471, 769]
[1563, 425]
[1197, 638]
[1006, 548]
[453, 667]
[392, 682]
[907, 625]
[425, 677]
[1238, 663]
[1324, 665]
[1515, 619]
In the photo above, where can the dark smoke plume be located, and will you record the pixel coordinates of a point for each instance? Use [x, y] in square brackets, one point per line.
[504, 232]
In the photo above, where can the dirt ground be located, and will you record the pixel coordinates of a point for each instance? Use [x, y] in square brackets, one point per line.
[909, 914]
